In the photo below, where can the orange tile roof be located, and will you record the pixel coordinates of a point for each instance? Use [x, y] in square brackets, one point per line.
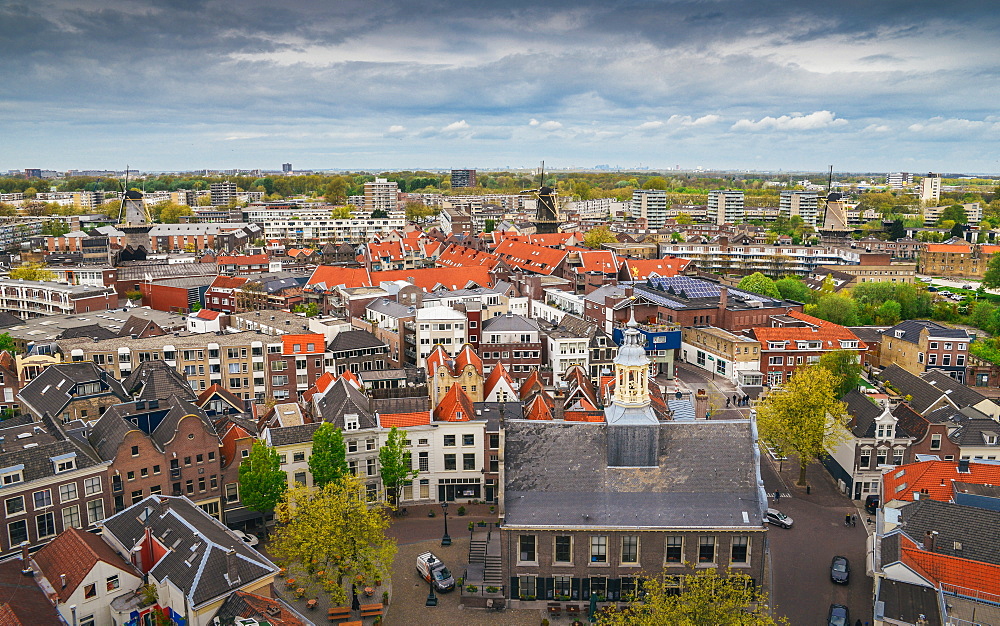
[465, 357]
[229, 440]
[584, 416]
[457, 256]
[498, 373]
[943, 568]
[404, 420]
[437, 358]
[530, 384]
[603, 261]
[933, 479]
[949, 247]
[532, 258]
[641, 269]
[455, 406]
[331, 276]
[299, 344]
[75, 553]
[989, 249]
[207, 314]
[228, 282]
[430, 278]
[538, 409]
[828, 333]
[351, 379]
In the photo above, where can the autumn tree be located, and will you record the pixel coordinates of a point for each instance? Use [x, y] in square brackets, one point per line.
[32, 271]
[333, 530]
[262, 483]
[171, 213]
[396, 464]
[418, 211]
[693, 598]
[802, 415]
[758, 283]
[328, 461]
[597, 237]
[684, 219]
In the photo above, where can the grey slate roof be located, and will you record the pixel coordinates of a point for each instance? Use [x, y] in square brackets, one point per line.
[510, 323]
[343, 398]
[957, 392]
[557, 475]
[971, 432]
[155, 380]
[205, 560]
[401, 405]
[911, 331]
[37, 459]
[864, 412]
[971, 527]
[287, 435]
[355, 340]
[54, 388]
[907, 603]
[924, 395]
[90, 331]
[158, 419]
[391, 308]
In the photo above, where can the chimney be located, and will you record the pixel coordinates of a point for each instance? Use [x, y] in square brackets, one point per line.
[723, 301]
[701, 404]
[62, 580]
[25, 560]
[930, 540]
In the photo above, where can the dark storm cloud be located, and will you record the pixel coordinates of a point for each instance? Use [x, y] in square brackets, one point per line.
[256, 81]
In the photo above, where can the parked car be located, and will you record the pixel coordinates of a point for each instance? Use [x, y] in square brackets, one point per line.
[839, 616]
[776, 517]
[967, 287]
[944, 292]
[872, 502]
[250, 540]
[932, 288]
[432, 570]
[840, 570]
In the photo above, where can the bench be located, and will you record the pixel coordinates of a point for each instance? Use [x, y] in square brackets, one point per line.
[554, 609]
[371, 610]
[339, 613]
[572, 609]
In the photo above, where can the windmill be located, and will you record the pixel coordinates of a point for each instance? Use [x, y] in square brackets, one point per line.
[547, 212]
[132, 211]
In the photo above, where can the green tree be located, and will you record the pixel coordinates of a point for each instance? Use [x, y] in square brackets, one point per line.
[792, 288]
[676, 237]
[804, 416]
[897, 230]
[133, 295]
[705, 598]
[311, 309]
[30, 193]
[489, 226]
[955, 213]
[656, 182]
[888, 314]
[379, 214]
[262, 483]
[328, 461]
[684, 219]
[418, 211]
[205, 200]
[171, 213]
[32, 271]
[395, 463]
[335, 531]
[597, 237]
[336, 191]
[7, 343]
[758, 283]
[958, 230]
[845, 365]
[991, 279]
[835, 308]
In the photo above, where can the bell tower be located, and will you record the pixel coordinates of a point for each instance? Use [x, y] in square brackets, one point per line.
[633, 430]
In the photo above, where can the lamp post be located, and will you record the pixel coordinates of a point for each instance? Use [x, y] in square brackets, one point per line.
[431, 598]
[446, 539]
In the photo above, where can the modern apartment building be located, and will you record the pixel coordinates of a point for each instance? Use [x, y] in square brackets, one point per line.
[650, 204]
[805, 204]
[463, 178]
[930, 188]
[223, 193]
[30, 298]
[725, 207]
[381, 194]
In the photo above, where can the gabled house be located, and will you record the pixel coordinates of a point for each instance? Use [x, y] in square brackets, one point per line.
[72, 391]
[933, 390]
[499, 386]
[83, 575]
[156, 380]
[923, 345]
[444, 372]
[194, 561]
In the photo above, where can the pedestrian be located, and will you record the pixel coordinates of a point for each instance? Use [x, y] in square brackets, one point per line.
[857, 623]
[777, 494]
[735, 398]
[847, 520]
[854, 520]
[727, 403]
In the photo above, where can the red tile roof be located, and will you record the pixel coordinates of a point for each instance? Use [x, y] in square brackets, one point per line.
[603, 261]
[531, 258]
[230, 440]
[458, 256]
[228, 282]
[404, 420]
[431, 278]
[455, 406]
[207, 314]
[933, 479]
[531, 384]
[322, 384]
[828, 333]
[75, 553]
[499, 373]
[942, 568]
[988, 249]
[949, 247]
[331, 276]
[465, 357]
[584, 416]
[299, 344]
[641, 269]
[538, 409]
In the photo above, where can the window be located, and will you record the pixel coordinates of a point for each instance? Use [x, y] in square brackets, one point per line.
[562, 586]
[628, 587]
[298, 457]
[865, 461]
[931, 359]
[423, 462]
[564, 549]
[599, 549]
[201, 483]
[67, 492]
[130, 476]
[18, 532]
[12, 478]
[740, 550]
[526, 549]
[706, 549]
[449, 440]
[135, 450]
[42, 499]
[300, 478]
[630, 549]
[494, 441]
[946, 360]
[449, 462]
[369, 444]
[468, 440]
[599, 586]
[189, 486]
[935, 442]
[14, 506]
[92, 485]
[95, 511]
[897, 456]
[371, 467]
[469, 462]
[71, 517]
[112, 582]
[90, 591]
[232, 492]
[675, 549]
[526, 586]
[45, 524]
[352, 445]
[89, 620]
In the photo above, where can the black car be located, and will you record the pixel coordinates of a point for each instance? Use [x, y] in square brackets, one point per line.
[872, 502]
[839, 616]
[840, 570]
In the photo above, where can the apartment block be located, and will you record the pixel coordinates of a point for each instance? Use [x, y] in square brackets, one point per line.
[805, 204]
[650, 204]
[28, 298]
[725, 207]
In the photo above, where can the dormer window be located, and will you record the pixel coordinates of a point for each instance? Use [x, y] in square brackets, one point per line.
[900, 333]
[989, 437]
[12, 475]
[64, 462]
[885, 431]
[351, 422]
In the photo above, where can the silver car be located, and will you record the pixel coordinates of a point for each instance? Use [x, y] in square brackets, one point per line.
[776, 517]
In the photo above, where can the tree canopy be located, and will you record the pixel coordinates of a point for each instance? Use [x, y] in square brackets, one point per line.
[991, 279]
[333, 530]
[800, 416]
[395, 464]
[845, 366]
[758, 283]
[836, 308]
[262, 482]
[792, 288]
[954, 213]
[328, 461]
[32, 271]
[597, 237]
[705, 597]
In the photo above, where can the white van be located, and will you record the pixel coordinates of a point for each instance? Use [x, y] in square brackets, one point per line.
[431, 569]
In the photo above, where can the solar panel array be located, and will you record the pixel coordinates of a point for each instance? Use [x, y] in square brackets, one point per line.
[697, 288]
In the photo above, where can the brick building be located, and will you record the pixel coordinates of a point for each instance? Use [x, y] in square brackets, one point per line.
[798, 339]
[29, 298]
[921, 345]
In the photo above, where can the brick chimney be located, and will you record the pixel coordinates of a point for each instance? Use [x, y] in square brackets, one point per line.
[701, 404]
[25, 560]
[931, 539]
[723, 301]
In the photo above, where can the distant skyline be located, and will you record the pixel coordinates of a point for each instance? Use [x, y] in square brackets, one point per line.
[725, 84]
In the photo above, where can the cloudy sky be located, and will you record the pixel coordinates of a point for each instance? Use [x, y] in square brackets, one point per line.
[793, 84]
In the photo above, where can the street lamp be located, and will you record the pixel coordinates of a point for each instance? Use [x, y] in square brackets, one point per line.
[446, 540]
[431, 598]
